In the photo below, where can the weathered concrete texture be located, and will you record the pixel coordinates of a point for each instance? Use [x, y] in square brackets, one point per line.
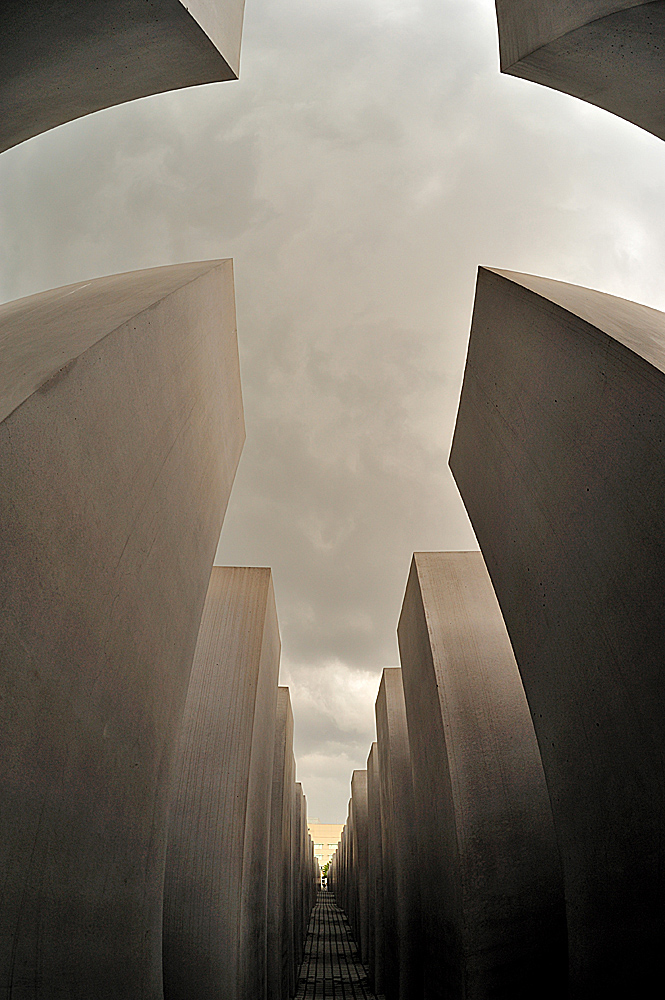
[606, 52]
[491, 887]
[64, 58]
[281, 961]
[374, 873]
[360, 872]
[401, 914]
[215, 889]
[558, 454]
[121, 431]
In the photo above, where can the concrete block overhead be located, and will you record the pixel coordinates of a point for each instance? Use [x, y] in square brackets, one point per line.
[65, 58]
[558, 453]
[492, 887]
[215, 887]
[120, 430]
[606, 52]
[401, 896]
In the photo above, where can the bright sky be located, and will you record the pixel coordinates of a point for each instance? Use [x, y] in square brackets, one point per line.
[370, 157]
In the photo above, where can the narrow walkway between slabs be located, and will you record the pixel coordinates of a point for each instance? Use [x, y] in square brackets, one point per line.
[331, 968]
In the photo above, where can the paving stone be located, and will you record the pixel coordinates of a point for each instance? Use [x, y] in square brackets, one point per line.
[331, 968]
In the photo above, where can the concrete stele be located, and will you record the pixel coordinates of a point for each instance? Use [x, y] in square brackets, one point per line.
[215, 894]
[280, 888]
[558, 454]
[63, 59]
[401, 910]
[374, 872]
[360, 849]
[606, 52]
[492, 886]
[121, 428]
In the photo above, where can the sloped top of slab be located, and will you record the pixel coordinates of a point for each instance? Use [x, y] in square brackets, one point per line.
[41, 334]
[639, 328]
[222, 23]
[527, 25]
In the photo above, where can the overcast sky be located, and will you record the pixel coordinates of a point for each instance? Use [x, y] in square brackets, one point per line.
[369, 158]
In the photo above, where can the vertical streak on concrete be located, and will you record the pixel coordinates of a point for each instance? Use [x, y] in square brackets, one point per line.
[375, 871]
[215, 894]
[359, 799]
[492, 886]
[402, 972]
[280, 891]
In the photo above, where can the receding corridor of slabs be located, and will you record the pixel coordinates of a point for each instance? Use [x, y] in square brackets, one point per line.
[331, 968]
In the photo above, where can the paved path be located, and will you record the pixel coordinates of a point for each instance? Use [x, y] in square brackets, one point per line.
[331, 968]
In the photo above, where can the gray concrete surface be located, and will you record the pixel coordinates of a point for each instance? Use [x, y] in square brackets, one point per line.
[374, 872]
[62, 59]
[360, 860]
[401, 876]
[606, 52]
[217, 861]
[558, 454]
[281, 963]
[118, 451]
[492, 885]
[299, 916]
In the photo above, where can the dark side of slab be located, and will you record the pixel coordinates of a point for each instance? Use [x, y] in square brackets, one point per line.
[606, 52]
[62, 59]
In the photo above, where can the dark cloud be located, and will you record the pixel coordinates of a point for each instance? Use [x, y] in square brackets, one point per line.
[369, 159]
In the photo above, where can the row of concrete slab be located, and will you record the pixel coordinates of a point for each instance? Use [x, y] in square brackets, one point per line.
[241, 876]
[153, 840]
[508, 865]
[506, 837]
[448, 865]
[121, 427]
[120, 431]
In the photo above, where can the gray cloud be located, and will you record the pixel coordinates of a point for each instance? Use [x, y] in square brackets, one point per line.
[369, 159]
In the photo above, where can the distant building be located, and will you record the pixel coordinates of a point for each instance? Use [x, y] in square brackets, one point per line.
[325, 837]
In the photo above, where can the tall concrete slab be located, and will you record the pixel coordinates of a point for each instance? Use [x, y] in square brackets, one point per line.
[217, 862]
[120, 431]
[299, 817]
[63, 58]
[280, 886]
[374, 872]
[558, 454]
[493, 916]
[350, 886]
[606, 52]
[360, 857]
[401, 913]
